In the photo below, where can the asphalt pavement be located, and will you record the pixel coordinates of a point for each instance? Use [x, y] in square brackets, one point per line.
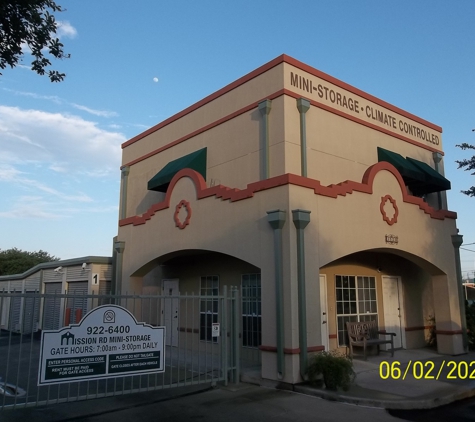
[413, 379]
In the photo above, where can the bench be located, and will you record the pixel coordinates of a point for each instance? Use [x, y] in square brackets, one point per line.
[366, 333]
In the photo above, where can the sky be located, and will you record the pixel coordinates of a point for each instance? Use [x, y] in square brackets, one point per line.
[133, 64]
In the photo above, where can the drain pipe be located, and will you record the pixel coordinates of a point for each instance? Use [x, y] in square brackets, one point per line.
[301, 219]
[264, 108]
[437, 157]
[457, 240]
[123, 191]
[276, 219]
[119, 248]
[303, 105]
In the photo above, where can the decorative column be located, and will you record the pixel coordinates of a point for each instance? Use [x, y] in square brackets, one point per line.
[457, 240]
[264, 108]
[123, 192]
[276, 219]
[301, 218]
[303, 106]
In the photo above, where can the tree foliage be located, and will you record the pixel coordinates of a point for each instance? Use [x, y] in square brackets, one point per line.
[16, 261]
[29, 24]
[468, 165]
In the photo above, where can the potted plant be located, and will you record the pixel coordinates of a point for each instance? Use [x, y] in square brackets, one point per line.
[336, 369]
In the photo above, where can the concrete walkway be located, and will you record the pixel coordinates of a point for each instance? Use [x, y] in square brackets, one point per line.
[426, 380]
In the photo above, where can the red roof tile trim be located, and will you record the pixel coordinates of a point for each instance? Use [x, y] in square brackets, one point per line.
[332, 191]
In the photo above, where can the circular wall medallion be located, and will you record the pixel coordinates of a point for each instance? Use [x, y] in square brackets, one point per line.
[389, 209]
[176, 217]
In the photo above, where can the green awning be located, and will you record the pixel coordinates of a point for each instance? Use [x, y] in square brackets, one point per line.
[196, 161]
[410, 173]
[435, 182]
[418, 176]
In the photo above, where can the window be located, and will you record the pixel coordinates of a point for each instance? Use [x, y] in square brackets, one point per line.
[251, 310]
[208, 307]
[355, 301]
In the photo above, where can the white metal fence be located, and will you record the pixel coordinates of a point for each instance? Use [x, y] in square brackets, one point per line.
[191, 355]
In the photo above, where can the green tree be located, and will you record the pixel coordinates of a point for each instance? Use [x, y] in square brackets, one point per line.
[467, 165]
[16, 261]
[29, 23]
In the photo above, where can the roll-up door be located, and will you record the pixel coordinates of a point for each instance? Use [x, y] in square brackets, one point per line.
[76, 304]
[52, 307]
[31, 312]
[15, 313]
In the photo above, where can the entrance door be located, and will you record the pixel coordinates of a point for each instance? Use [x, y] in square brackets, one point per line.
[394, 309]
[170, 311]
[324, 310]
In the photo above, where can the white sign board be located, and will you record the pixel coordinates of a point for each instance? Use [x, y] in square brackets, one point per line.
[107, 343]
[215, 329]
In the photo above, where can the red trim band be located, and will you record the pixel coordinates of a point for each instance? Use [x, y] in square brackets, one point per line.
[253, 106]
[332, 191]
[422, 327]
[449, 332]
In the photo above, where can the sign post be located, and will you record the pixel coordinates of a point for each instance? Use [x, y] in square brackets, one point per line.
[108, 342]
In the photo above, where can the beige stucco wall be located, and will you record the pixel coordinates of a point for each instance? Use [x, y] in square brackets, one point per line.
[238, 98]
[341, 145]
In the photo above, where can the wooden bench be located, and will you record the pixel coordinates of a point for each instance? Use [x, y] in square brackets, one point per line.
[366, 334]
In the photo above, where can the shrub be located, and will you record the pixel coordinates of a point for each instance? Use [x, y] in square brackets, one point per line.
[337, 370]
[470, 318]
[432, 337]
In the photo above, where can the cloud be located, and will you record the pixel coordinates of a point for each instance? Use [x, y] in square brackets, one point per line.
[55, 138]
[37, 207]
[57, 100]
[27, 207]
[101, 113]
[53, 98]
[65, 29]
[14, 176]
[55, 166]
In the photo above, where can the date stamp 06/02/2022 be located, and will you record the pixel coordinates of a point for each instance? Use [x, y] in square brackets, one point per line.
[429, 370]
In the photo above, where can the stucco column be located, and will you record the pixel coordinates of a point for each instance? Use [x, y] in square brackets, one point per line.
[301, 218]
[276, 219]
[457, 241]
[124, 177]
[119, 247]
[303, 106]
[264, 108]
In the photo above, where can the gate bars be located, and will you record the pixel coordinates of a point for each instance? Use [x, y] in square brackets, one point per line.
[194, 359]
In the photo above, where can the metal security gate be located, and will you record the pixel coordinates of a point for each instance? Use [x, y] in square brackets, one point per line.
[191, 361]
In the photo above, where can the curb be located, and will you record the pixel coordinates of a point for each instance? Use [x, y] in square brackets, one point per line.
[403, 404]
